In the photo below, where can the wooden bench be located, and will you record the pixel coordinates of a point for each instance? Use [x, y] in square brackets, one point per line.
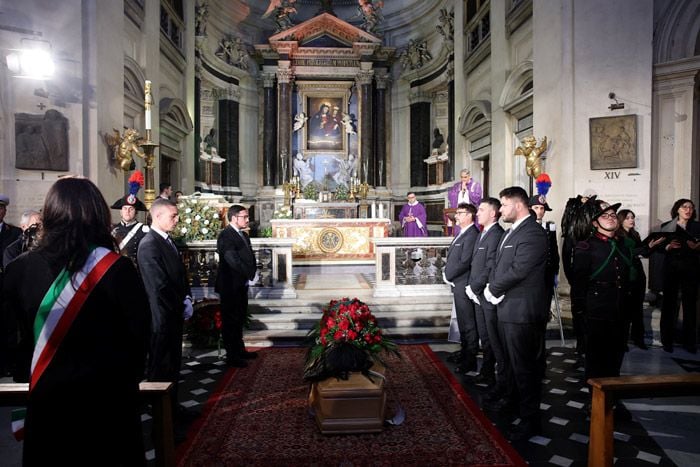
[156, 394]
[608, 390]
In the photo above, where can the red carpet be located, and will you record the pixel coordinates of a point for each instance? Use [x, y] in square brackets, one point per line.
[259, 417]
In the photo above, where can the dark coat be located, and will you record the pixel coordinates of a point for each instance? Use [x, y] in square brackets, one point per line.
[8, 234]
[165, 279]
[519, 274]
[236, 261]
[86, 403]
[121, 231]
[459, 258]
[484, 258]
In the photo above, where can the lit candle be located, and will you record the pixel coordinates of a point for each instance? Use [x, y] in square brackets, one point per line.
[148, 101]
[374, 210]
[381, 210]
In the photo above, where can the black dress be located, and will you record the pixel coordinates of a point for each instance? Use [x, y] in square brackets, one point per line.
[85, 408]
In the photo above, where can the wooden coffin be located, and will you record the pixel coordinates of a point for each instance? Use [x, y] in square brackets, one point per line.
[355, 405]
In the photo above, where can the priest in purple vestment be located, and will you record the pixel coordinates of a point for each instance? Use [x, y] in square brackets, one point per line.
[467, 190]
[413, 218]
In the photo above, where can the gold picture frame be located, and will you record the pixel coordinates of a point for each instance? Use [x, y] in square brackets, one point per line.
[613, 142]
[324, 103]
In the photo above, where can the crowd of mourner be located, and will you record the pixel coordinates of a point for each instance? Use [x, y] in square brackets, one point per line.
[91, 309]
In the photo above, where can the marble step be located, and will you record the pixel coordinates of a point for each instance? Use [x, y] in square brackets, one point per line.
[305, 308]
[268, 338]
[391, 318]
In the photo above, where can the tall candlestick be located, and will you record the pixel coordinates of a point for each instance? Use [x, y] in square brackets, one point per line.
[381, 210]
[148, 102]
[374, 210]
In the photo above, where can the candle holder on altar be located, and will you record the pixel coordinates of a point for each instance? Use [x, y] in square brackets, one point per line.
[149, 148]
[363, 189]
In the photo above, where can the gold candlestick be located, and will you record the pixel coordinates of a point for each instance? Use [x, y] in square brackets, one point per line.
[149, 191]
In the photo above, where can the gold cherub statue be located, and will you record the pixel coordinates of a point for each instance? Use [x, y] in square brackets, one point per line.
[123, 145]
[532, 154]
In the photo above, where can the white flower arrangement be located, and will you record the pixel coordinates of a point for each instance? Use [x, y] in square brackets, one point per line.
[198, 221]
[283, 212]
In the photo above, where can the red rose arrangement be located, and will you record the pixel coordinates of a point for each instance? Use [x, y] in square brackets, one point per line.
[346, 339]
[204, 327]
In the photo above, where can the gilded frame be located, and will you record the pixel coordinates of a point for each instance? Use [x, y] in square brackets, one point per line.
[613, 142]
[330, 138]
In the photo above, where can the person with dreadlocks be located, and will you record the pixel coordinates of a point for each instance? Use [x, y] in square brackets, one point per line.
[575, 227]
[603, 271]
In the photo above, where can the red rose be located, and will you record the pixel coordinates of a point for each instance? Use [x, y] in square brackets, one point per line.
[344, 325]
[323, 340]
[352, 335]
[338, 335]
[377, 339]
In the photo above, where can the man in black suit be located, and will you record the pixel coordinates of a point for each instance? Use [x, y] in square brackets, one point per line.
[483, 261]
[8, 233]
[551, 273]
[457, 269]
[237, 267]
[168, 291]
[516, 286]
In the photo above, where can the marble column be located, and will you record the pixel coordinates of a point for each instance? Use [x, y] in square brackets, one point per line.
[270, 163]
[363, 79]
[228, 142]
[284, 118]
[381, 137]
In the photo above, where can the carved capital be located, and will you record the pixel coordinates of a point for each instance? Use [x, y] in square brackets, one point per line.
[383, 80]
[364, 77]
[419, 96]
[285, 75]
[267, 79]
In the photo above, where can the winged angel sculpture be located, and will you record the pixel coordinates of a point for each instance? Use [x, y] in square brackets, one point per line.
[299, 121]
[532, 154]
[123, 146]
[281, 9]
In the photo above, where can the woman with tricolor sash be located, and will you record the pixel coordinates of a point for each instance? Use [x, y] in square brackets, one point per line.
[83, 322]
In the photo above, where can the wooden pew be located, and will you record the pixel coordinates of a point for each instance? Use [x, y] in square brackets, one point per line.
[156, 394]
[607, 390]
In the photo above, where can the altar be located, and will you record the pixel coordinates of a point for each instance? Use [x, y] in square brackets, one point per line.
[331, 240]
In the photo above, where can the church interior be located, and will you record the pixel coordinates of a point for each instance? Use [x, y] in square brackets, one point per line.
[321, 116]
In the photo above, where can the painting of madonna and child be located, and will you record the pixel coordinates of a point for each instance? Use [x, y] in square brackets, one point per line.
[325, 125]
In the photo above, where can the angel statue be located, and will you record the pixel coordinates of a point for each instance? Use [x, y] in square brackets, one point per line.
[299, 121]
[348, 124]
[123, 146]
[370, 12]
[201, 12]
[282, 9]
[416, 54]
[532, 154]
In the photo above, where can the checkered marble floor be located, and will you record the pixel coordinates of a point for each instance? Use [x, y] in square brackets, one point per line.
[564, 441]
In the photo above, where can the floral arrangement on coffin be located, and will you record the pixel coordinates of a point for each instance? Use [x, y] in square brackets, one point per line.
[198, 221]
[283, 212]
[204, 327]
[346, 339]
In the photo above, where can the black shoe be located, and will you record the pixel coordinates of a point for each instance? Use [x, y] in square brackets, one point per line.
[465, 368]
[236, 362]
[641, 344]
[481, 378]
[503, 404]
[455, 357]
[668, 348]
[249, 355]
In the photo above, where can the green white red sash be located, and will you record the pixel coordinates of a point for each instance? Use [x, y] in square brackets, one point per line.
[59, 308]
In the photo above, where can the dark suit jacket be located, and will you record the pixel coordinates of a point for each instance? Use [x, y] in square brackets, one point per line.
[459, 257]
[165, 279]
[236, 261]
[484, 258]
[552, 265]
[519, 274]
[8, 234]
[93, 380]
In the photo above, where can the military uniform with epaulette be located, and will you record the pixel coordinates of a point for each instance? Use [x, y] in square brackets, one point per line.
[603, 271]
[128, 237]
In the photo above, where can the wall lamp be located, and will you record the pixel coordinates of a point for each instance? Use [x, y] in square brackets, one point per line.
[617, 105]
[32, 61]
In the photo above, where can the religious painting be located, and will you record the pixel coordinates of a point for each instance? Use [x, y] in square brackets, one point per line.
[613, 142]
[41, 141]
[324, 131]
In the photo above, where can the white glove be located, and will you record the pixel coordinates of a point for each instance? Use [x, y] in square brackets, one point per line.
[187, 314]
[490, 298]
[444, 279]
[472, 295]
[255, 279]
